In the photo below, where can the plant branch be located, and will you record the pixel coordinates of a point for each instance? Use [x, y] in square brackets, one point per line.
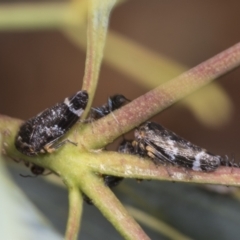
[34, 16]
[75, 212]
[112, 209]
[80, 169]
[105, 130]
[143, 108]
[98, 18]
[129, 166]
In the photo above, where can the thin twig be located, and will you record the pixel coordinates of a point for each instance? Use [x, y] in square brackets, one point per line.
[75, 212]
[148, 105]
[112, 209]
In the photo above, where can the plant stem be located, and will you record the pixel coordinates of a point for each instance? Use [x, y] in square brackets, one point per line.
[98, 19]
[110, 163]
[124, 165]
[75, 212]
[34, 16]
[148, 105]
[112, 209]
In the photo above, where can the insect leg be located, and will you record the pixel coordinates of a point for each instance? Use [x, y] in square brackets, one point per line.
[52, 146]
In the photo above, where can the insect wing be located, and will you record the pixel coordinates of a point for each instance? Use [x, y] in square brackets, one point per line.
[48, 126]
[64, 115]
[164, 145]
[75, 106]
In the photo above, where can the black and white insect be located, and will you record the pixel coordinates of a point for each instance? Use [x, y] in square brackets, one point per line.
[163, 146]
[113, 103]
[40, 134]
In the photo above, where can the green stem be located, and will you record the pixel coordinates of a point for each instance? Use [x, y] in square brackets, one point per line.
[110, 163]
[98, 19]
[128, 166]
[75, 212]
[35, 16]
[112, 209]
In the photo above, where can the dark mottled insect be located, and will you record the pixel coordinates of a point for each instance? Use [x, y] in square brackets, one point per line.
[41, 133]
[113, 103]
[164, 146]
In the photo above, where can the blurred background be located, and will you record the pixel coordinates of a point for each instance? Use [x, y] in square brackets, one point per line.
[39, 67]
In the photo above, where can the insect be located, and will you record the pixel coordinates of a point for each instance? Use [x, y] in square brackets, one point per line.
[164, 146]
[113, 103]
[41, 133]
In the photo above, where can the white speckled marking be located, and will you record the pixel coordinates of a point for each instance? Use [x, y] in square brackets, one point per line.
[76, 112]
[66, 101]
[197, 163]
